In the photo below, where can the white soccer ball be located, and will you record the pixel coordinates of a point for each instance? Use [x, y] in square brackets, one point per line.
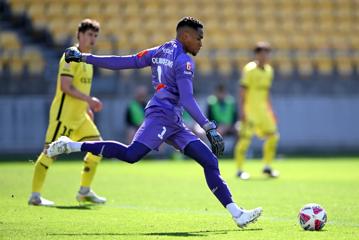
[312, 217]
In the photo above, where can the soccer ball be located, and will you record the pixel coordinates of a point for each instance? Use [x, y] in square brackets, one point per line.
[312, 217]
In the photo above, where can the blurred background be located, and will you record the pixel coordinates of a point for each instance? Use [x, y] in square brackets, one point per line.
[315, 57]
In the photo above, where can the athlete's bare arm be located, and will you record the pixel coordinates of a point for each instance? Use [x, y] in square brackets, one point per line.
[66, 86]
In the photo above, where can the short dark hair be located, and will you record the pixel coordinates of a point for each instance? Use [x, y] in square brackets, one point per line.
[262, 46]
[88, 24]
[189, 22]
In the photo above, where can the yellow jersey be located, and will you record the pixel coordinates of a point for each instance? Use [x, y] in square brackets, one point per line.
[257, 82]
[65, 108]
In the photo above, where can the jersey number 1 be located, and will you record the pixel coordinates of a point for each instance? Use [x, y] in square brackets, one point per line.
[159, 73]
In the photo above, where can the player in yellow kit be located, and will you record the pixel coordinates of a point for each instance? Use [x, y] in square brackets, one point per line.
[256, 116]
[71, 115]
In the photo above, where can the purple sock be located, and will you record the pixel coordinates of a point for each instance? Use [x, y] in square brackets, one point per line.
[201, 153]
[111, 149]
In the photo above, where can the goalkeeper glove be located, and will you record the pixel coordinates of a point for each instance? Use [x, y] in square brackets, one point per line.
[214, 138]
[72, 54]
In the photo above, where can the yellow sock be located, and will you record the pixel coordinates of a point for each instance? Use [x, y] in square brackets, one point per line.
[240, 152]
[42, 164]
[89, 170]
[269, 149]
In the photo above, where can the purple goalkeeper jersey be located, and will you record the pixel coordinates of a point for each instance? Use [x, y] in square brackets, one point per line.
[172, 76]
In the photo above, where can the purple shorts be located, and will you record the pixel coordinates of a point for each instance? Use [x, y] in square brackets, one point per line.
[164, 126]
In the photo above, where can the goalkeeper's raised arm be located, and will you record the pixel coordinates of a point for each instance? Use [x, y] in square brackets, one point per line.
[139, 60]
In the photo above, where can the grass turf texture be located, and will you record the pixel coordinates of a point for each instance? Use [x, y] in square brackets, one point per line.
[170, 200]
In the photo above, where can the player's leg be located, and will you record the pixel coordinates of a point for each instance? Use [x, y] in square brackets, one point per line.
[269, 148]
[192, 146]
[91, 162]
[111, 149]
[241, 148]
[199, 151]
[108, 149]
[86, 132]
[268, 131]
[42, 165]
[149, 136]
[40, 171]
[203, 155]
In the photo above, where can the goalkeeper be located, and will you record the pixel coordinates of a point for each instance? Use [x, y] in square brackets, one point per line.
[172, 76]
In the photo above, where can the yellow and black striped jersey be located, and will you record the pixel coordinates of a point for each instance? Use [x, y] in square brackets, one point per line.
[66, 108]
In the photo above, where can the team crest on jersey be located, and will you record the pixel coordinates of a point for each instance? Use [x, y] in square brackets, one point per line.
[188, 66]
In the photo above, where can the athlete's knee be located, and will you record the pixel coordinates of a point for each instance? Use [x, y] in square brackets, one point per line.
[135, 152]
[274, 137]
[202, 154]
[211, 163]
[243, 143]
[132, 158]
[44, 161]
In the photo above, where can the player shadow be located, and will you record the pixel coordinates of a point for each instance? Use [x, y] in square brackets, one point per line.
[76, 207]
[260, 179]
[198, 233]
[168, 234]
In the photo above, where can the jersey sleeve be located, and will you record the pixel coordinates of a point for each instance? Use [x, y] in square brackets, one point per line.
[245, 78]
[139, 60]
[184, 68]
[67, 69]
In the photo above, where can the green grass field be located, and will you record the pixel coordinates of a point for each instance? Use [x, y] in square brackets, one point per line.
[170, 200]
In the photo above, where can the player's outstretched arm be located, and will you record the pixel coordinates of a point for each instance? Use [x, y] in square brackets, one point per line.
[190, 104]
[140, 60]
[185, 87]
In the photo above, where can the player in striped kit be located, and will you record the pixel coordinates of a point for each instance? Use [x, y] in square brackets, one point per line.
[71, 115]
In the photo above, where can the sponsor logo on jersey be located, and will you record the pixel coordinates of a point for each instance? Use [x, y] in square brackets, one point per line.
[86, 80]
[167, 50]
[162, 61]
